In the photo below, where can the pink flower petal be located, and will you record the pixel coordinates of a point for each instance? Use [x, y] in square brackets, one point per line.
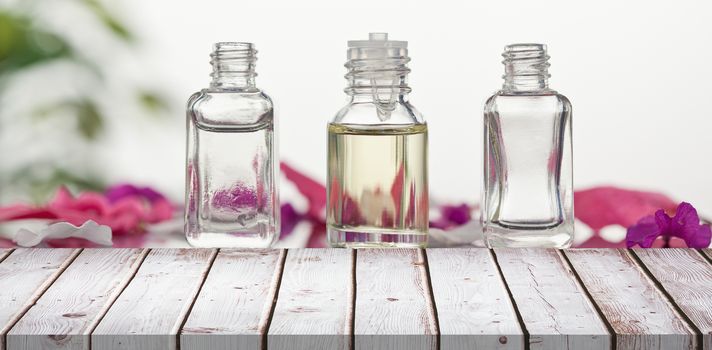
[22, 211]
[599, 242]
[602, 206]
[317, 238]
[314, 191]
[160, 210]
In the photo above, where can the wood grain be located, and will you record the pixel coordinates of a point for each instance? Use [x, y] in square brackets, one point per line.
[69, 310]
[315, 305]
[234, 305]
[393, 301]
[473, 306]
[24, 276]
[152, 308]
[687, 278]
[638, 312]
[554, 308]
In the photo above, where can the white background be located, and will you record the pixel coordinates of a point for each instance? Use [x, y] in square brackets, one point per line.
[638, 74]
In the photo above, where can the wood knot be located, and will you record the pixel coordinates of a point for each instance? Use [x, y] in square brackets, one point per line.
[58, 337]
[310, 258]
[503, 340]
[74, 315]
[201, 330]
[391, 299]
[300, 310]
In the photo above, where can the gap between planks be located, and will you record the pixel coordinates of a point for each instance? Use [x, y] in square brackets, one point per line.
[638, 311]
[63, 318]
[595, 304]
[554, 310]
[136, 311]
[425, 271]
[42, 288]
[277, 285]
[669, 299]
[4, 253]
[139, 263]
[518, 313]
[685, 278]
[315, 301]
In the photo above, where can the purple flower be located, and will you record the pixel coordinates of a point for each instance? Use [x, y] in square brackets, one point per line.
[115, 193]
[684, 225]
[452, 216]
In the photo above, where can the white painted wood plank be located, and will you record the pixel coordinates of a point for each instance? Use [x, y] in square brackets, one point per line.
[687, 278]
[69, 310]
[24, 275]
[393, 305]
[315, 305]
[637, 311]
[554, 308]
[473, 306]
[150, 311]
[234, 305]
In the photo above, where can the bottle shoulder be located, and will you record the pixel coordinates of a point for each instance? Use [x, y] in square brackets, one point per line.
[502, 101]
[229, 107]
[370, 113]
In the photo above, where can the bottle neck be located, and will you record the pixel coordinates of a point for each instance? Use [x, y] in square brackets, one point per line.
[526, 68]
[233, 66]
[379, 80]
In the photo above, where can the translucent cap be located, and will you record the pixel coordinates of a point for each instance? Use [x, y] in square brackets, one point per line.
[377, 47]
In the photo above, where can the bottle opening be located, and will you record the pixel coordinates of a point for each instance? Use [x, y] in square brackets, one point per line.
[232, 46]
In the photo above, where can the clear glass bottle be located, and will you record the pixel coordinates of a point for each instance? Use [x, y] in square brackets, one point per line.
[527, 196]
[231, 184]
[377, 186]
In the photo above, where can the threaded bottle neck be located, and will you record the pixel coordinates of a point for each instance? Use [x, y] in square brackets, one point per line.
[526, 68]
[378, 76]
[233, 66]
[377, 67]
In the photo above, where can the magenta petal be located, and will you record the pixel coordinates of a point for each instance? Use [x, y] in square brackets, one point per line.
[457, 214]
[115, 193]
[701, 239]
[663, 220]
[686, 222]
[644, 232]
[289, 219]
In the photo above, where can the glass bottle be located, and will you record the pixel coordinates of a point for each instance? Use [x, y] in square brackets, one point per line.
[231, 184]
[377, 186]
[527, 196]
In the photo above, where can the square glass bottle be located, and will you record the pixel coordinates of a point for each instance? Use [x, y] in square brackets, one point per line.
[231, 195]
[527, 197]
[377, 185]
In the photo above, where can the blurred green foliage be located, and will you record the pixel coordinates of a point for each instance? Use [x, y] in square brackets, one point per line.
[25, 43]
[22, 45]
[40, 181]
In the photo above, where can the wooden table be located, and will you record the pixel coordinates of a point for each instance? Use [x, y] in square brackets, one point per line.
[366, 299]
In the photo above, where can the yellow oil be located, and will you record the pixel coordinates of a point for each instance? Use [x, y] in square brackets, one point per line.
[377, 186]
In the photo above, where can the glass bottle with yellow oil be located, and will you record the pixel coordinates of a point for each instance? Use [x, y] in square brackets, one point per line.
[377, 184]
